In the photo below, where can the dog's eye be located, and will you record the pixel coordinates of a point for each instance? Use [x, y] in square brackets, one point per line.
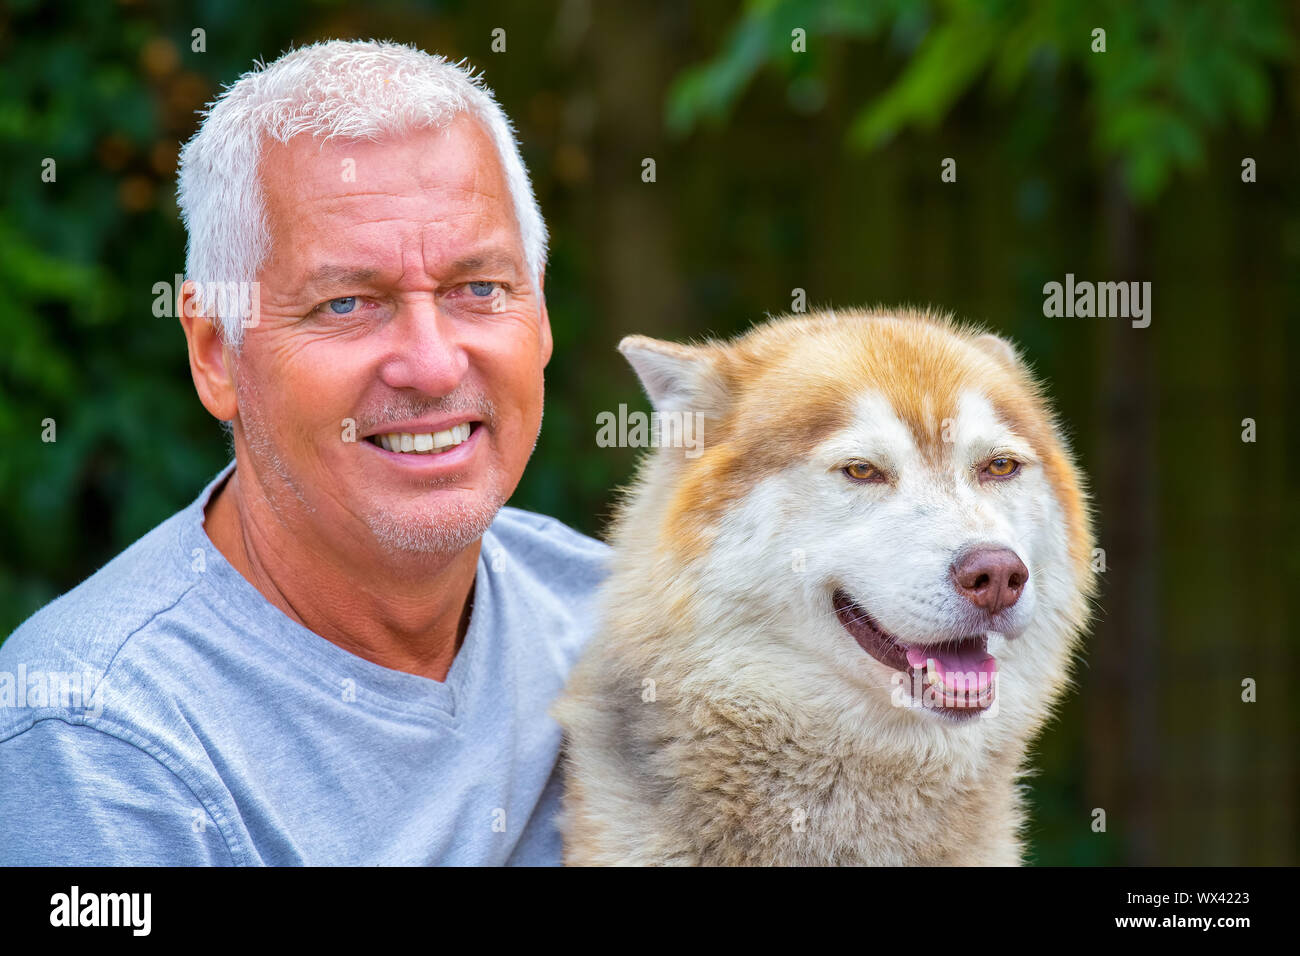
[1002, 467]
[863, 471]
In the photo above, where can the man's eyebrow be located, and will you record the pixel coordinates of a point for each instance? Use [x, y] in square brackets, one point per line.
[333, 276]
[338, 276]
[490, 260]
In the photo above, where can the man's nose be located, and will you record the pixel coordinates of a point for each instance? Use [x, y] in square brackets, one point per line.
[425, 352]
[990, 578]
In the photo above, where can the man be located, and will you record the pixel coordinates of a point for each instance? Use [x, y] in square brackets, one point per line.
[343, 651]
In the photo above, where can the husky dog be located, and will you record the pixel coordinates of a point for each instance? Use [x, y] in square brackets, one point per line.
[831, 635]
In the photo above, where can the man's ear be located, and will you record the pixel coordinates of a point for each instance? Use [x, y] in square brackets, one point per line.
[548, 343]
[676, 378]
[211, 363]
[998, 348]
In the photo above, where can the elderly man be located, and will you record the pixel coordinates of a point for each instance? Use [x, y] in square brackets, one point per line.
[343, 651]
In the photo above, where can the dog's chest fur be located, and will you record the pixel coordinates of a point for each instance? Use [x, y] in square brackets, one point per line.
[728, 782]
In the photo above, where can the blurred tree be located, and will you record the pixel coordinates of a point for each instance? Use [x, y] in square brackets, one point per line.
[1164, 75]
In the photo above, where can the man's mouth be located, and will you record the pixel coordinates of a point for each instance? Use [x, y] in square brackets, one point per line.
[423, 443]
[957, 674]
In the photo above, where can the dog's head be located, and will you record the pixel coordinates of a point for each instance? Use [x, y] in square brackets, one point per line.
[879, 512]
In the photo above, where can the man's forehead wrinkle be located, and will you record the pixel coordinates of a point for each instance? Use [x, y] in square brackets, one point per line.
[482, 179]
[360, 191]
[342, 214]
[367, 195]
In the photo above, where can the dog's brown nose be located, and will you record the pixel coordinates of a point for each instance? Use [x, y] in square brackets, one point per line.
[990, 578]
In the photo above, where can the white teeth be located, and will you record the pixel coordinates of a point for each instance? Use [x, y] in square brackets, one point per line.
[424, 443]
[450, 437]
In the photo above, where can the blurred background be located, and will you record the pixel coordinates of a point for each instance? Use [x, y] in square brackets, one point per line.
[797, 145]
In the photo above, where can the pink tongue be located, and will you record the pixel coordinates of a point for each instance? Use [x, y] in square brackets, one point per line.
[950, 663]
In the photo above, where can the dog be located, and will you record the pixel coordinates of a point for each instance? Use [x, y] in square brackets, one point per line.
[830, 636]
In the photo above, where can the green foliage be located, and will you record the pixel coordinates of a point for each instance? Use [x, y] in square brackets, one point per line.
[89, 128]
[1171, 72]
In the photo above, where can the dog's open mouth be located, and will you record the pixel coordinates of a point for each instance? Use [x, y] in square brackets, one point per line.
[955, 675]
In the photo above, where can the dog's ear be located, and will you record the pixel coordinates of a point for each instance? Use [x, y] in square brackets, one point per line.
[676, 378]
[998, 348]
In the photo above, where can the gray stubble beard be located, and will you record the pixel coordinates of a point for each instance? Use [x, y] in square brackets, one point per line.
[450, 529]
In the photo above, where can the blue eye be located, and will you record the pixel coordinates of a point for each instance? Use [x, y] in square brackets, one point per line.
[482, 289]
[344, 305]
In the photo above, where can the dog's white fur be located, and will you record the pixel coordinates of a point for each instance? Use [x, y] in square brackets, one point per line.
[723, 715]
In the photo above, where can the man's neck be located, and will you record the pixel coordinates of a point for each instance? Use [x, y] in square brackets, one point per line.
[409, 616]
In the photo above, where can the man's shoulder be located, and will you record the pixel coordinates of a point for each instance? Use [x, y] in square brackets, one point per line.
[553, 574]
[558, 557]
[84, 630]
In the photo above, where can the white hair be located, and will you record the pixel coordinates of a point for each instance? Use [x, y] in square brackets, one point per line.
[351, 90]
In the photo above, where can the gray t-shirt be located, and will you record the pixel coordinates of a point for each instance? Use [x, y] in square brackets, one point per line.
[164, 712]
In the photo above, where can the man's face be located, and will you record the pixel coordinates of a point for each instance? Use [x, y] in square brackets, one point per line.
[396, 296]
